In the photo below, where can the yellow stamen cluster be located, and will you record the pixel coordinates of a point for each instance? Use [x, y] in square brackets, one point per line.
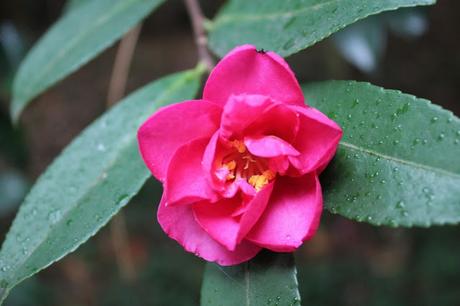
[259, 181]
[231, 165]
[242, 164]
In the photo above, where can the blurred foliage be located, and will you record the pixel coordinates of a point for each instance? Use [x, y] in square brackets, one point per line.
[363, 44]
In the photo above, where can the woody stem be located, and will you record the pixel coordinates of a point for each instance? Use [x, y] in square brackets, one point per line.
[199, 32]
[117, 86]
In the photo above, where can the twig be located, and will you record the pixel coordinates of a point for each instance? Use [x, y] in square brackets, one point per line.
[196, 16]
[121, 66]
[120, 241]
[117, 86]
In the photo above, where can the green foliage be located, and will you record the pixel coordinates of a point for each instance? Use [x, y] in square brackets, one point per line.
[93, 178]
[287, 27]
[364, 42]
[73, 4]
[268, 279]
[75, 39]
[398, 162]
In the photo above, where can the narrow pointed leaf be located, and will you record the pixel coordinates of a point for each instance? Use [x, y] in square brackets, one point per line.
[268, 279]
[93, 178]
[399, 160]
[72, 41]
[287, 27]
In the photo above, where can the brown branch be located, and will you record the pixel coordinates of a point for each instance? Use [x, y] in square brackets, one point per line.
[117, 86]
[120, 241]
[196, 16]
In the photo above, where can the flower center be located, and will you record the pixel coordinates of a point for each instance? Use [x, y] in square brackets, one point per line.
[240, 164]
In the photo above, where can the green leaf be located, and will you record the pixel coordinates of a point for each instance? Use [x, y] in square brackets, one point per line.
[73, 4]
[268, 279]
[287, 27]
[398, 163]
[75, 39]
[92, 179]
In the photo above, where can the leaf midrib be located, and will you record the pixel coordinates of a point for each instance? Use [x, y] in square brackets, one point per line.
[399, 160]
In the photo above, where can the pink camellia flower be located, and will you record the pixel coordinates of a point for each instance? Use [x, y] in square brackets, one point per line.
[240, 166]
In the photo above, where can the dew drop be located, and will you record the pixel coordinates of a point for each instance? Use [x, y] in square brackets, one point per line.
[400, 204]
[122, 199]
[101, 147]
[434, 119]
[54, 216]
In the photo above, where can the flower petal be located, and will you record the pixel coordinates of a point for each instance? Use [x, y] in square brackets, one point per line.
[247, 71]
[219, 221]
[186, 181]
[254, 210]
[292, 214]
[317, 140]
[269, 146]
[171, 127]
[179, 223]
[216, 219]
[245, 115]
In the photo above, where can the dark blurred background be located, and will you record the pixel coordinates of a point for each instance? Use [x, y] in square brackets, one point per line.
[346, 263]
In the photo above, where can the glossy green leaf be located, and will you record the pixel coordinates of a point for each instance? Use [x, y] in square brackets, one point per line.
[268, 279]
[399, 160]
[93, 178]
[75, 39]
[287, 27]
[73, 4]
